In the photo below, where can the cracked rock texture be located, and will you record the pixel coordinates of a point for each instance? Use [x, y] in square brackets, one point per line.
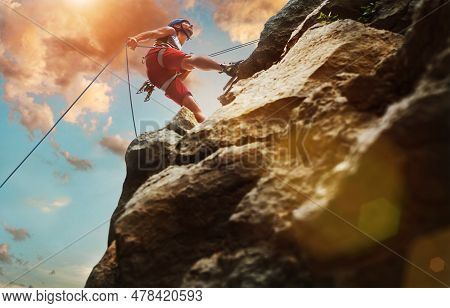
[298, 15]
[327, 168]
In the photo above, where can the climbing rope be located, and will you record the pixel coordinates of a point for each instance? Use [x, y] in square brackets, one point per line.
[232, 48]
[218, 53]
[129, 90]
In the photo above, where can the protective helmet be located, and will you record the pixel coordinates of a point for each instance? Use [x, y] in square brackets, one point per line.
[187, 32]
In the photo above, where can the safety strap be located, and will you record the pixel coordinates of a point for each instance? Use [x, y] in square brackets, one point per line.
[166, 84]
[160, 56]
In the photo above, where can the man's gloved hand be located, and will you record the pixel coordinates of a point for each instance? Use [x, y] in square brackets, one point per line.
[230, 69]
[132, 43]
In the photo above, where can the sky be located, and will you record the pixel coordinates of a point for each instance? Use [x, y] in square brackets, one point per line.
[49, 52]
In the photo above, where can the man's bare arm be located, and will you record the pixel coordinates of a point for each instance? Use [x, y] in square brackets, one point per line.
[153, 34]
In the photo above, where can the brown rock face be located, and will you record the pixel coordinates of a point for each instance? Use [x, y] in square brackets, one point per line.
[275, 35]
[299, 15]
[149, 154]
[329, 168]
[104, 275]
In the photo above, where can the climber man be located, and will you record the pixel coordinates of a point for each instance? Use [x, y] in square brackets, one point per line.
[168, 66]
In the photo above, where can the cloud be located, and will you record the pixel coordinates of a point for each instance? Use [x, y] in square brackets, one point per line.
[115, 144]
[5, 256]
[37, 65]
[79, 164]
[90, 127]
[12, 3]
[48, 206]
[96, 100]
[108, 124]
[18, 234]
[33, 116]
[244, 20]
[189, 4]
[64, 178]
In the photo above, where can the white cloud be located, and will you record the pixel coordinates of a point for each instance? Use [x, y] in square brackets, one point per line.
[33, 116]
[244, 20]
[89, 126]
[115, 144]
[47, 206]
[97, 100]
[108, 124]
[13, 4]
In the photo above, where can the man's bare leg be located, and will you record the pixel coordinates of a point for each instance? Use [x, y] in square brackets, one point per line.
[191, 104]
[200, 62]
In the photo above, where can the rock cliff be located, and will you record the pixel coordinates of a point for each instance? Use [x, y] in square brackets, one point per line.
[328, 165]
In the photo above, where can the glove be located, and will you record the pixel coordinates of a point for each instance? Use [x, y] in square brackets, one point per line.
[230, 69]
[132, 43]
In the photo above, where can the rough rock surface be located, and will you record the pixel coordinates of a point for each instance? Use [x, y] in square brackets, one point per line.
[149, 154]
[275, 35]
[299, 15]
[329, 168]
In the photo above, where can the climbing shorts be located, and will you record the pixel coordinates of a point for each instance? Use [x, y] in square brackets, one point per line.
[158, 75]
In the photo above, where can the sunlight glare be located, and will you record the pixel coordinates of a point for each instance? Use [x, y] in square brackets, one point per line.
[80, 2]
